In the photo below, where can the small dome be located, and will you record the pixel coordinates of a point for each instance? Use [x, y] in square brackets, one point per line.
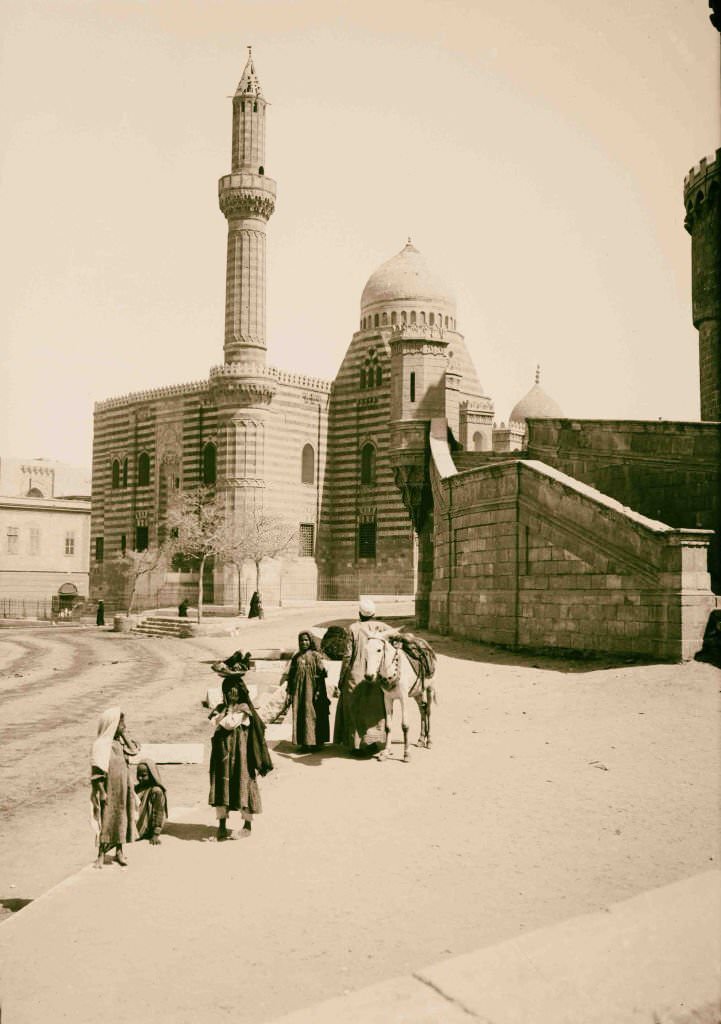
[406, 277]
[536, 404]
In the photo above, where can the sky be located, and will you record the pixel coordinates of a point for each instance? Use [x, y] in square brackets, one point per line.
[535, 152]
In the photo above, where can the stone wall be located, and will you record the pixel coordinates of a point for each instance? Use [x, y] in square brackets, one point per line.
[528, 557]
[665, 470]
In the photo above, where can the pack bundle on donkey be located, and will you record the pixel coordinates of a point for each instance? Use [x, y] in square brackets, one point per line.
[403, 665]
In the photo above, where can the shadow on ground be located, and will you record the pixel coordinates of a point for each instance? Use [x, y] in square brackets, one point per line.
[191, 832]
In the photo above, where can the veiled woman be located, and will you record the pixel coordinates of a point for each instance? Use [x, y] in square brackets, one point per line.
[307, 691]
[152, 801]
[112, 798]
[238, 755]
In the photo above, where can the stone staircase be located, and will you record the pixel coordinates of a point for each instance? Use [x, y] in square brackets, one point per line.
[160, 625]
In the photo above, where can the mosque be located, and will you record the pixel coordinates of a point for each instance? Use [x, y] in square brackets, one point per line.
[269, 439]
[544, 532]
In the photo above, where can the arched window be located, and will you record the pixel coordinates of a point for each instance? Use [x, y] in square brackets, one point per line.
[385, 318]
[379, 376]
[413, 316]
[413, 385]
[394, 317]
[363, 378]
[307, 465]
[375, 320]
[446, 321]
[125, 472]
[423, 318]
[477, 442]
[368, 464]
[209, 464]
[432, 319]
[115, 475]
[143, 469]
[255, 108]
[404, 316]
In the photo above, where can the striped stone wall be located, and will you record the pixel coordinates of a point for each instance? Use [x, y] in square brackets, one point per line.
[358, 416]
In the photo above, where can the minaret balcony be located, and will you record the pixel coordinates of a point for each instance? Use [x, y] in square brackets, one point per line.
[247, 196]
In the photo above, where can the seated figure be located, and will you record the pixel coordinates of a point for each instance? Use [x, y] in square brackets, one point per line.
[153, 809]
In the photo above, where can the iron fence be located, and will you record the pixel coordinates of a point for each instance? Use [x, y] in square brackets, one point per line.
[20, 608]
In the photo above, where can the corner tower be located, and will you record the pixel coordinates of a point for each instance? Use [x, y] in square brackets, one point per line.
[703, 222]
[247, 199]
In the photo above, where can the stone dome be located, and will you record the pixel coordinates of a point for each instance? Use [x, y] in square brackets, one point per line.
[406, 278]
[535, 404]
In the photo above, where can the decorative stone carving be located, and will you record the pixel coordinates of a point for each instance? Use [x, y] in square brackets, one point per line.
[246, 205]
[412, 481]
[399, 331]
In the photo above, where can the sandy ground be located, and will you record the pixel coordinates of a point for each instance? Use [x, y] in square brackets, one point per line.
[553, 788]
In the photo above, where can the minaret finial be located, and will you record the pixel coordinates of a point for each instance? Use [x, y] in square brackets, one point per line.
[538, 373]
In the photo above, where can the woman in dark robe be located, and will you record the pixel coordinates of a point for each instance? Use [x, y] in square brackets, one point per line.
[100, 616]
[307, 691]
[112, 799]
[153, 801]
[238, 755]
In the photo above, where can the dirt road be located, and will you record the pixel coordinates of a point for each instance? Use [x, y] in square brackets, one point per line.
[553, 788]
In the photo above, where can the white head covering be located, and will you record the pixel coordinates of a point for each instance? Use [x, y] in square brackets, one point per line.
[366, 607]
[107, 727]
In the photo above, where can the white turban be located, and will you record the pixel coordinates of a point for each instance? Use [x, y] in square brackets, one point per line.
[366, 607]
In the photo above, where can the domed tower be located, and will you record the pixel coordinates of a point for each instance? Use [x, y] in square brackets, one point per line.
[703, 222]
[535, 404]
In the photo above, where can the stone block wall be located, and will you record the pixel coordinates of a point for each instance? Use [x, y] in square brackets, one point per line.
[669, 471]
[528, 557]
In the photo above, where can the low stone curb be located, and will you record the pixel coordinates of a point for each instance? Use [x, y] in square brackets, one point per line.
[653, 959]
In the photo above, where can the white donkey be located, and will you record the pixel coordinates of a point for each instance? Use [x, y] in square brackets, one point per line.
[387, 664]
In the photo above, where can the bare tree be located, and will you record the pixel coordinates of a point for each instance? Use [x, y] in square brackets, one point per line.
[253, 537]
[196, 529]
[129, 567]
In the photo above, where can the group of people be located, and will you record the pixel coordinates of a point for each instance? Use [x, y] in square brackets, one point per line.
[123, 810]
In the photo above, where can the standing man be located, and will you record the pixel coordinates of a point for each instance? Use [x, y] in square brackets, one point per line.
[360, 719]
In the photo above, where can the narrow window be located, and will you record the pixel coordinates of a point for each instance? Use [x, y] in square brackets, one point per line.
[123, 543]
[99, 549]
[305, 540]
[13, 535]
[385, 318]
[375, 320]
[255, 108]
[141, 538]
[363, 377]
[404, 316]
[367, 540]
[431, 319]
[446, 321]
[307, 465]
[209, 465]
[143, 469]
[379, 376]
[413, 316]
[394, 318]
[125, 472]
[70, 543]
[34, 540]
[368, 464]
[413, 385]
[115, 475]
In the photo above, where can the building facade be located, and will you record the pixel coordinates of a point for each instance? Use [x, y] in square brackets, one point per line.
[314, 452]
[44, 537]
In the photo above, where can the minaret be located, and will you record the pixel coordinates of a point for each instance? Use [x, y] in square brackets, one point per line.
[247, 199]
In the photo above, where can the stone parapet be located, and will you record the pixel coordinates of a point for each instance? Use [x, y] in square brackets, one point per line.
[527, 556]
[259, 370]
[151, 395]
